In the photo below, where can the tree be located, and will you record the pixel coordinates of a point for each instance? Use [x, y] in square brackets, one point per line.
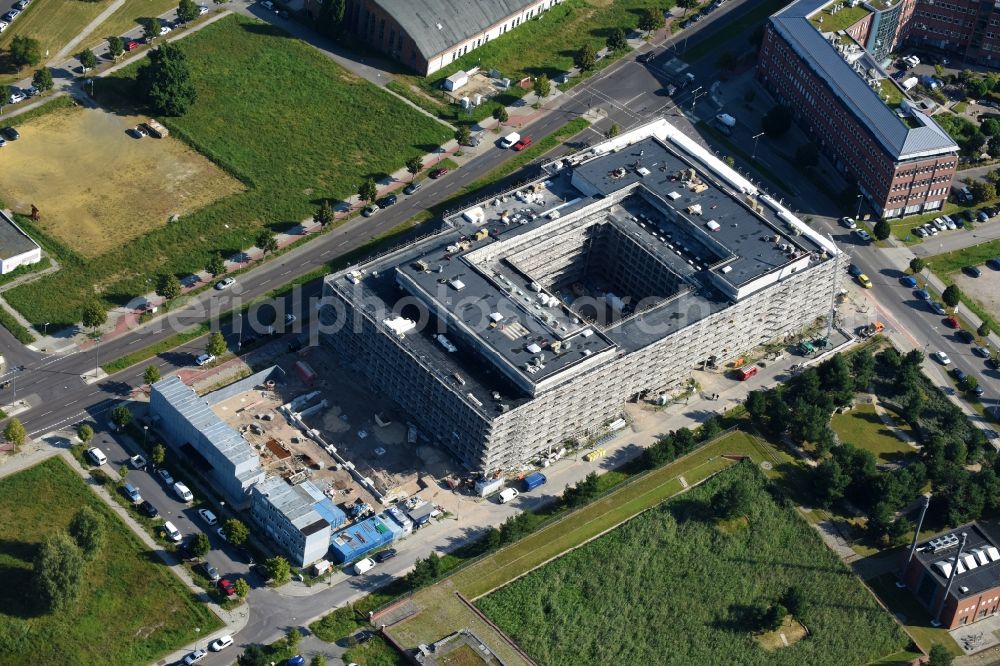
[242, 588]
[940, 656]
[216, 265]
[686, 5]
[158, 454]
[324, 214]
[168, 286]
[94, 314]
[463, 135]
[187, 11]
[25, 51]
[87, 530]
[778, 121]
[253, 655]
[116, 46]
[200, 545]
[830, 482]
[331, 16]
[165, 80]
[969, 384]
[318, 660]
[87, 59]
[492, 539]
[123, 473]
[42, 79]
[983, 330]
[542, 86]
[651, 19]
[152, 29]
[774, 617]
[951, 296]
[500, 114]
[733, 500]
[236, 532]
[586, 58]
[415, 165]
[151, 375]
[121, 416]
[982, 191]
[993, 146]
[293, 639]
[278, 569]
[85, 433]
[216, 345]
[368, 190]
[617, 40]
[14, 432]
[917, 264]
[881, 230]
[266, 242]
[58, 571]
[614, 130]
[990, 127]
[807, 155]
[795, 601]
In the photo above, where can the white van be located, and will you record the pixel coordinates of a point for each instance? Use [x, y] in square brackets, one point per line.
[364, 565]
[510, 140]
[97, 456]
[173, 533]
[182, 491]
[507, 494]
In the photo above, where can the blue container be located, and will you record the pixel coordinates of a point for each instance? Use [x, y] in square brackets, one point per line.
[360, 539]
[532, 481]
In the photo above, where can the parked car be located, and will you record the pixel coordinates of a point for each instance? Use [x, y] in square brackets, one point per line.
[363, 566]
[97, 456]
[225, 283]
[137, 461]
[862, 234]
[951, 322]
[963, 335]
[437, 173]
[11, 15]
[21, 5]
[971, 271]
[385, 555]
[922, 294]
[370, 209]
[930, 229]
[937, 308]
[194, 657]
[940, 224]
[908, 281]
[131, 45]
[148, 510]
[982, 216]
[510, 140]
[982, 351]
[848, 222]
[164, 29]
[165, 475]
[919, 232]
[222, 534]
[941, 357]
[865, 281]
[223, 642]
[958, 374]
[226, 587]
[17, 96]
[211, 572]
[205, 359]
[993, 264]
[11, 133]
[523, 143]
[202, 10]
[411, 188]
[993, 364]
[208, 516]
[30, 91]
[387, 201]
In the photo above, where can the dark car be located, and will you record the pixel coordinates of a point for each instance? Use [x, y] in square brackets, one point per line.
[971, 271]
[908, 281]
[362, 636]
[994, 264]
[148, 509]
[959, 375]
[247, 340]
[984, 352]
[646, 57]
[411, 188]
[964, 336]
[967, 215]
[385, 555]
[11, 133]
[437, 173]
[853, 271]
[993, 364]
[978, 391]
[385, 202]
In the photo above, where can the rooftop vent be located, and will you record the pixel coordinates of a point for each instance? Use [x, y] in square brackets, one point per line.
[456, 284]
[533, 348]
[943, 542]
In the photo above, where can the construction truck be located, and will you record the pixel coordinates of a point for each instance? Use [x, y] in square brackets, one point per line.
[869, 330]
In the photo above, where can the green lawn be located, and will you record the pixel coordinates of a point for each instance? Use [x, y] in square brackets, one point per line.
[918, 619]
[671, 587]
[842, 20]
[544, 45]
[631, 498]
[131, 609]
[128, 17]
[275, 113]
[53, 23]
[863, 428]
[375, 652]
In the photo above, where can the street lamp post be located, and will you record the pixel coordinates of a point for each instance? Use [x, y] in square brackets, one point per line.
[756, 137]
[97, 351]
[197, 634]
[145, 431]
[857, 215]
[45, 328]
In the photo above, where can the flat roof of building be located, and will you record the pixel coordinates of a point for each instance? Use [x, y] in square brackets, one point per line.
[303, 504]
[198, 411]
[13, 240]
[979, 568]
[892, 132]
[704, 228]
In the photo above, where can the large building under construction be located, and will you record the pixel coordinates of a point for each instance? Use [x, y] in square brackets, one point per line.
[532, 318]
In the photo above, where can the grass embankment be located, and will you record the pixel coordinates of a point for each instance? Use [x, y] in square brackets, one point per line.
[131, 15]
[264, 115]
[543, 45]
[610, 600]
[110, 623]
[53, 23]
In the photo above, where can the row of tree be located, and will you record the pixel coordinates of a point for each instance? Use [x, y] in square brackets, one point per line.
[60, 563]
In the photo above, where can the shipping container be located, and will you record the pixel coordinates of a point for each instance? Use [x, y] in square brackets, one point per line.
[355, 541]
[533, 480]
[486, 487]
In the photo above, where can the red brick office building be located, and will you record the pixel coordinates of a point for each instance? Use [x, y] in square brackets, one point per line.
[902, 161]
[975, 591]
